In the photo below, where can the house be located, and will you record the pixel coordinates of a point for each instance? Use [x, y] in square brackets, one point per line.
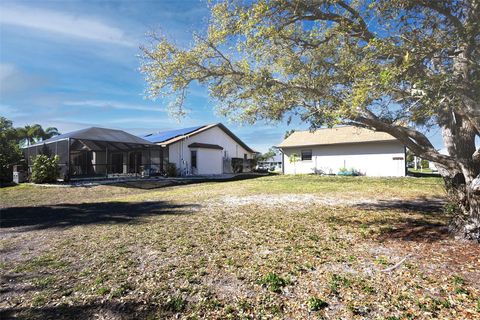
[345, 148]
[99, 152]
[273, 163]
[102, 152]
[204, 150]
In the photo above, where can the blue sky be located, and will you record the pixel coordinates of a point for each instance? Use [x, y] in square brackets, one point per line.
[74, 64]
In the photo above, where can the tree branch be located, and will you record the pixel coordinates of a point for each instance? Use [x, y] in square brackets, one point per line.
[412, 139]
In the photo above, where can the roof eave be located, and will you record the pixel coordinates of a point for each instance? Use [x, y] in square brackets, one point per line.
[336, 143]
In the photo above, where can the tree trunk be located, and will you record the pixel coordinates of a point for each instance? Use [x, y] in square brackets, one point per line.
[463, 183]
[464, 205]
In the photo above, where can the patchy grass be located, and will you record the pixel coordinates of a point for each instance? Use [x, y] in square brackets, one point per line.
[316, 304]
[271, 247]
[273, 282]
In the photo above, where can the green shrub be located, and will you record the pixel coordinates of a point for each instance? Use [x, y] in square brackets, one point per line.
[425, 164]
[171, 170]
[237, 165]
[45, 169]
[316, 304]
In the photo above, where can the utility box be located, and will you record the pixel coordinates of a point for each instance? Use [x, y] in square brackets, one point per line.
[19, 174]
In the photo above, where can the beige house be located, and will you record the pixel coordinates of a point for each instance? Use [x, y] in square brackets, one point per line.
[340, 149]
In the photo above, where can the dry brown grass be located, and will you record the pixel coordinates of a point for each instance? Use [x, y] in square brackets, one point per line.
[261, 248]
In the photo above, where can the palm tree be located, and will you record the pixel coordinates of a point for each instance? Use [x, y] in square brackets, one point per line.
[30, 134]
[50, 132]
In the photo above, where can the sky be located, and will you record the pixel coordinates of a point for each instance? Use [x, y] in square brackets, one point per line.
[75, 64]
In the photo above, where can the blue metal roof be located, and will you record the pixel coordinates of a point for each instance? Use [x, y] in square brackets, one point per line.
[167, 135]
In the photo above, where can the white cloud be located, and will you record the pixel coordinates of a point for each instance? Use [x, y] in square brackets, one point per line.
[63, 23]
[113, 105]
[13, 80]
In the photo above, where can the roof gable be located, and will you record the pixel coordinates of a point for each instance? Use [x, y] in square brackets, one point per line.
[173, 136]
[336, 135]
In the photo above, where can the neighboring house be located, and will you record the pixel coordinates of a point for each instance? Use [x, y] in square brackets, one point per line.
[204, 150]
[274, 163]
[333, 150]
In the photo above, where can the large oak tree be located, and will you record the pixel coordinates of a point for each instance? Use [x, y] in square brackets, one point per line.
[397, 66]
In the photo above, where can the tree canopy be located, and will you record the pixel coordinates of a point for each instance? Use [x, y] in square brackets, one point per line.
[9, 149]
[398, 66]
[34, 133]
[272, 152]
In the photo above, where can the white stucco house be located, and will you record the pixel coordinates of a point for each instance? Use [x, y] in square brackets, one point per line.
[333, 150]
[203, 150]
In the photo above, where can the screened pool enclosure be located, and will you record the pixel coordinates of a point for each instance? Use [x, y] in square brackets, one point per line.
[101, 152]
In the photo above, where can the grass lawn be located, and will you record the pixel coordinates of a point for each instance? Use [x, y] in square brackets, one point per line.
[425, 170]
[274, 247]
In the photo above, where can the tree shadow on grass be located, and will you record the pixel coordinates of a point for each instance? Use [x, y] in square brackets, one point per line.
[418, 220]
[416, 231]
[413, 228]
[69, 215]
[182, 181]
[422, 205]
[107, 310]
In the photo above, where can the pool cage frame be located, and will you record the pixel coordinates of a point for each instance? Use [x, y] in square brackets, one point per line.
[90, 158]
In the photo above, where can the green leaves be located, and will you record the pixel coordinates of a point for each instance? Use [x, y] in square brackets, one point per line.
[45, 169]
[326, 63]
[9, 150]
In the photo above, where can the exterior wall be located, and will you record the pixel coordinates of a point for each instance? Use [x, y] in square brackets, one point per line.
[371, 159]
[179, 152]
[209, 161]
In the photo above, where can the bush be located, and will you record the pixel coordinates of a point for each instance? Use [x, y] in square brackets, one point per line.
[237, 165]
[424, 164]
[171, 170]
[349, 172]
[45, 169]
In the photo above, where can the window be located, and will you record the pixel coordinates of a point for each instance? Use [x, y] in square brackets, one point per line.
[306, 155]
[194, 158]
[245, 156]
